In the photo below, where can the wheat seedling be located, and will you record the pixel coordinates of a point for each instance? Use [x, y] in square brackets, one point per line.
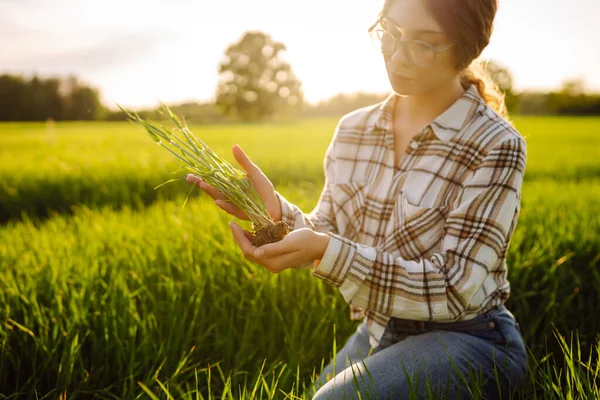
[197, 158]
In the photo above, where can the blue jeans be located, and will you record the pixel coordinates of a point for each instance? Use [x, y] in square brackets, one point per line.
[482, 356]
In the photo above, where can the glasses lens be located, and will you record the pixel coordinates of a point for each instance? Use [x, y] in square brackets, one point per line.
[421, 54]
[418, 53]
[383, 41]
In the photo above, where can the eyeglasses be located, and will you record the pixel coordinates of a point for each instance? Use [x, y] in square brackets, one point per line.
[419, 53]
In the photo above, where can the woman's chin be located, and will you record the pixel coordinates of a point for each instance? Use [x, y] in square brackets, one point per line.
[404, 90]
[402, 86]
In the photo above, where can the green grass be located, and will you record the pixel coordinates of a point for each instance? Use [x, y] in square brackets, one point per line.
[117, 164]
[117, 292]
[93, 163]
[561, 148]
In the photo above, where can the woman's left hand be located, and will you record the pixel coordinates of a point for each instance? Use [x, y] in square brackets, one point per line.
[298, 247]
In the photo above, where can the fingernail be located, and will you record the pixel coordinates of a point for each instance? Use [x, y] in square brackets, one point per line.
[191, 178]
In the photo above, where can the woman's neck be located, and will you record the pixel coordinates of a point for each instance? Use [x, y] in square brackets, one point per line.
[422, 109]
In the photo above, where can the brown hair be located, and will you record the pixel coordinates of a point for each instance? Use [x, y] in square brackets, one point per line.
[469, 24]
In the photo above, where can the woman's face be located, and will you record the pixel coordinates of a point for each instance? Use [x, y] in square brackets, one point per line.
[409, 20]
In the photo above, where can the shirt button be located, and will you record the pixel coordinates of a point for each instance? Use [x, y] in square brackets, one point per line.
[414, 145]
[436, 310]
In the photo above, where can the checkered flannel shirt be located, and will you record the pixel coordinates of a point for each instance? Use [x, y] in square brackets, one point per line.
[425, 240]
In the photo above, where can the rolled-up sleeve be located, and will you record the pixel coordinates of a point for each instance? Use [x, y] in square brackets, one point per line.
[478, 229]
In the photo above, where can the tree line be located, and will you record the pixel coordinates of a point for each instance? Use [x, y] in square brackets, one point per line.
[40, 99]
[254, 84]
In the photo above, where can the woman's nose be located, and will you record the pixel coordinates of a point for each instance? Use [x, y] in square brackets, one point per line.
[400, 55]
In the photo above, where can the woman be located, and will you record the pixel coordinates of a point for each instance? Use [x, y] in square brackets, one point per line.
[421, 199]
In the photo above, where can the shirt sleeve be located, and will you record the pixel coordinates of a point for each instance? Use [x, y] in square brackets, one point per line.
[322, 217]
[477, 231]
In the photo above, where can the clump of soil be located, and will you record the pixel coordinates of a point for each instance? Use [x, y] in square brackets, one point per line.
[270, 233]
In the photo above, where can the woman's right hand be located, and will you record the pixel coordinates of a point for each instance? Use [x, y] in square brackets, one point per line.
[261, 183]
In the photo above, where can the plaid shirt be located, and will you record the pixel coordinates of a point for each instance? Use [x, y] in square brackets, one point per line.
[425, 240]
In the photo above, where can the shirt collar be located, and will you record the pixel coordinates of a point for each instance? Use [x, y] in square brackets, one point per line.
[446, 125]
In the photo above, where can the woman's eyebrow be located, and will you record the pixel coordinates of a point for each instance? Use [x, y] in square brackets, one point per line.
[426, 31]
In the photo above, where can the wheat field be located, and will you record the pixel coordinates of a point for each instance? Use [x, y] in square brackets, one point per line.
[111, 289]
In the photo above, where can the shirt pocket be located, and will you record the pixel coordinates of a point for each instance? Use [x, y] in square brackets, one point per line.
[349, 199]
[414, 231]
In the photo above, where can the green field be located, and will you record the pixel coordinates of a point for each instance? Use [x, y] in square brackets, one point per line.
[109, 288]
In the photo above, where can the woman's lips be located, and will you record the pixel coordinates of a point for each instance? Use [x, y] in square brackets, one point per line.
[401, 78]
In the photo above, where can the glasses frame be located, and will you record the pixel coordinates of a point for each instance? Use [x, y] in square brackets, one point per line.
[403, 43]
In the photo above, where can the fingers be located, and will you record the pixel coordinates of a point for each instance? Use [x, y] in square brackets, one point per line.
[275, 265]
[243, 240]
[248, 235]
[281, 262]
[260, 181]
[193, 179]
[272, 250]
[209, 189]
[244, 160]
[231, 209]
[219, 198]
[284, 262]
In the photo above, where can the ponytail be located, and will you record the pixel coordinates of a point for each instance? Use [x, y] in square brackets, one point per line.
[476, 74]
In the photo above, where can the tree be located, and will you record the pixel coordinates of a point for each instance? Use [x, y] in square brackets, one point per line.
[500, 75]
[39, 99]
[573, 99]
[55, 104]
[504, 79]
[343, 103]
[82, 102]
[573, 87]
[13, 98]
[43, 99]
[254, 83]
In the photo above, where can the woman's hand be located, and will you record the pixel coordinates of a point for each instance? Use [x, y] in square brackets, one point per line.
[297, 248]
[261, 183]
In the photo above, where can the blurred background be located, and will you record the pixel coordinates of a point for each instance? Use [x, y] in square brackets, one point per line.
[74, 60]
[113, 288]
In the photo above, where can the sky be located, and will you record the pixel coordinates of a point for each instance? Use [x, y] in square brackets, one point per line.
[140, 52]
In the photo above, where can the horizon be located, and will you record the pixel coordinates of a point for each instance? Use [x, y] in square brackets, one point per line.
[160, 54]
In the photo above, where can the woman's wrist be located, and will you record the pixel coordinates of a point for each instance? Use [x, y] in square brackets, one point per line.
[278, 210]
[321, 244]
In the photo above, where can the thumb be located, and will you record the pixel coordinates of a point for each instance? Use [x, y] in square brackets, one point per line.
[244, 160]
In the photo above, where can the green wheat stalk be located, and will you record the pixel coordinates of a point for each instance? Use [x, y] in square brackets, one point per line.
[198, 159]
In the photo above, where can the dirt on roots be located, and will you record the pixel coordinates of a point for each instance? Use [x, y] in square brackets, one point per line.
[270, 234]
